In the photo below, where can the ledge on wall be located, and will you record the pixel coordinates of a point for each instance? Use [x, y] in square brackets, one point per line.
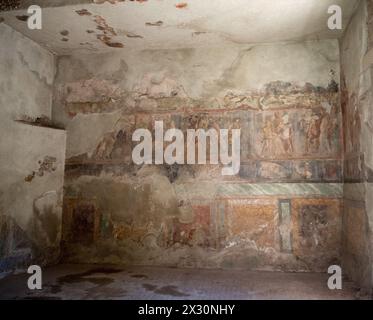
[40, 122]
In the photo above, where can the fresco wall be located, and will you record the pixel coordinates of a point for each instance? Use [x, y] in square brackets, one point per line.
[356, 102]
[281, 212]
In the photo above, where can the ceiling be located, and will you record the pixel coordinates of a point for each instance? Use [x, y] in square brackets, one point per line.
[106, 25]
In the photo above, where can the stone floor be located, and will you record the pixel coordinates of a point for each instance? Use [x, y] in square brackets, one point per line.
[147, 283]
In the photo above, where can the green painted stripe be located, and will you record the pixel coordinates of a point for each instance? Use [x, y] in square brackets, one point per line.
[209, 189]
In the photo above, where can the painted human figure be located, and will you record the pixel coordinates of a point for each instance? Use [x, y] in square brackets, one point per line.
[327, 128]
[277, 141]
[286, 134]
[267, 133]
[313, 133]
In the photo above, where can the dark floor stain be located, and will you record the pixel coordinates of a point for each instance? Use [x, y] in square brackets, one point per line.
[8, 5]
[104, 270]
[85, 276]
[42, 298]
[150, 287]
[54, 288]
[65, 39]
[64, 33]
[104, 293]
[76, 278]
[171, 291]
[22, 18]
[139, 276]
[100, 281]
[90, 31]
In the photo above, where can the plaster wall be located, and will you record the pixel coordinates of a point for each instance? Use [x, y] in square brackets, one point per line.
[31, 156]
[357, 122]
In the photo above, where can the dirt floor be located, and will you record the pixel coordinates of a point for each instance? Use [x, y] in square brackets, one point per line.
[148, 283]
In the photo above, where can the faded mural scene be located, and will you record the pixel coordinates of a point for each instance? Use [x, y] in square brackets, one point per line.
[74, 201]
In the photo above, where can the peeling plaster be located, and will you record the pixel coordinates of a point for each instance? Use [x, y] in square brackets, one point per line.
[165, 25]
